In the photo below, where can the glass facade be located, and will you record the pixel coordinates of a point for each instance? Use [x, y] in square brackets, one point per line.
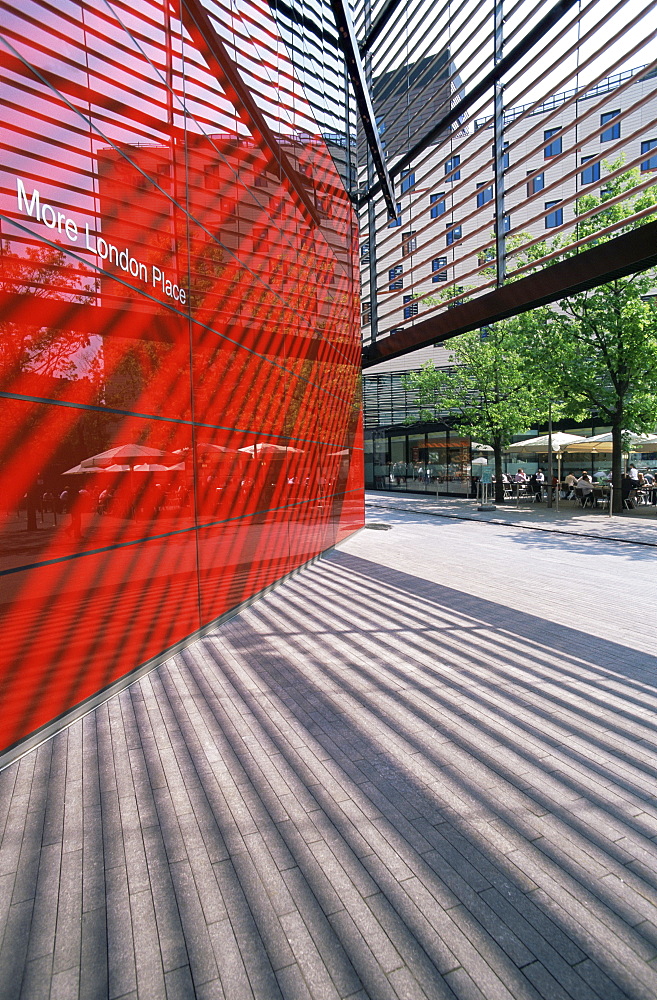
[179, 361]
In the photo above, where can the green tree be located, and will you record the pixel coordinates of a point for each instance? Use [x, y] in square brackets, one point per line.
[597, 351]
[486, 393]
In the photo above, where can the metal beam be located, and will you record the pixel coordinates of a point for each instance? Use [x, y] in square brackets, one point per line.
[213, 50]
[503, 66]
[356, 72]
[379, 24]
[627, 254]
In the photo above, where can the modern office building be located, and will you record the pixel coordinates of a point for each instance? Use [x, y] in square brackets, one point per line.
[554, 153]
[179, 270]
[180, 346]
[442, 243]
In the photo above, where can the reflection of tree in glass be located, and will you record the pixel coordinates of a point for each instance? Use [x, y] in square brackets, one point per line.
[41, 273]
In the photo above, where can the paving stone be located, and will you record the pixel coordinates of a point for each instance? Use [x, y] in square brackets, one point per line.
[405, 773]
[93, 955]
[179, 984]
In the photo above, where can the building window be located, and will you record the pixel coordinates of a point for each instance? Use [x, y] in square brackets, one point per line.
[613, 132]
[437, 203]
[505, 156]
[397, 221]
[484, 194]
[395, 278]
[554, 217]
[590, 174]
[451, 165]
[407, 180]
[365, 313]
[535, 183]
[553, 148]
[364, 254]
[439, 269]
[651, 162]
[453, 234]
[409, 243]
[506, 223]
[261, 181]
[411, 308]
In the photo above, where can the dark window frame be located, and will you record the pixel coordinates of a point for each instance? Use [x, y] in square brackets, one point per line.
[556, 214]
[439, 269]
[591, 174]
[435, 202]
[651, 163]
[553, 148]
[614, 132]
[395, 278]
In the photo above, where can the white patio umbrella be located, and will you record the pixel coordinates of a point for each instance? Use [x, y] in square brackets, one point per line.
[540, 445]
[479, 461]
[475, 446]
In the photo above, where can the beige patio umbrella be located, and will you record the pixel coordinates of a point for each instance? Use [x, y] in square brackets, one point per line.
[601, 444]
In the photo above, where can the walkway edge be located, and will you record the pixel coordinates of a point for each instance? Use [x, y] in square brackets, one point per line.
[511, 524]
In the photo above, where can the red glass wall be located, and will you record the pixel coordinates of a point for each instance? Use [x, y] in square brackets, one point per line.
[179, 348]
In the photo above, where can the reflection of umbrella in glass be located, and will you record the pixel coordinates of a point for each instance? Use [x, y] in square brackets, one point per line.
[80, 470]
[479, 461]
[130, 455]
[207, 447]
[156, 467]
[261, 448]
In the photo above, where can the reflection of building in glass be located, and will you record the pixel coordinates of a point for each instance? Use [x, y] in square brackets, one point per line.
[181, 411]
[410, 99]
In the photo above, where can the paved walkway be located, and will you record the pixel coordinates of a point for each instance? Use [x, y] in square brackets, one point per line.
[426, 767]
[638, 525]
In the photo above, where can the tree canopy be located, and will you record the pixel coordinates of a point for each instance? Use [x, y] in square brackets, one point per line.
[486, 393]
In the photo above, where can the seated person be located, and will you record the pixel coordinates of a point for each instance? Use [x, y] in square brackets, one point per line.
[570, 482]
[584, 490]
[537, 480]
[628, 485]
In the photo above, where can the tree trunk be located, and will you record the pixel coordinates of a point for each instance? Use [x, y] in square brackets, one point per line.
[617, 463]
[499, 485]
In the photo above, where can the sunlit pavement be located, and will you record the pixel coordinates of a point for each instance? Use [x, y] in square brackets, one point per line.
[637, 525]
[425, 767]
